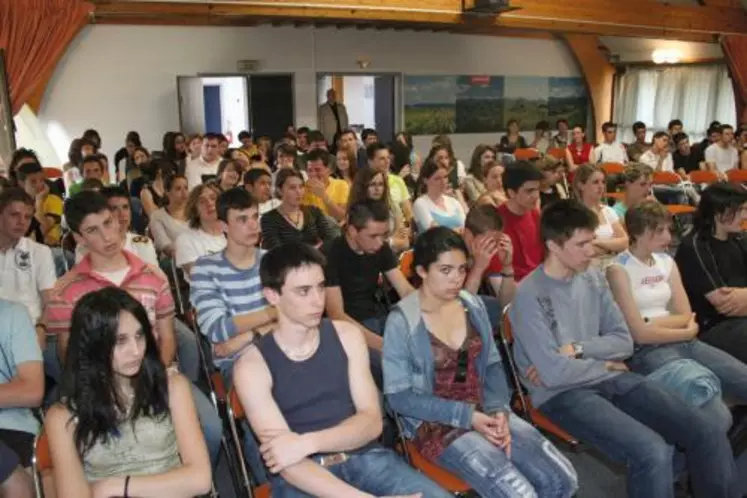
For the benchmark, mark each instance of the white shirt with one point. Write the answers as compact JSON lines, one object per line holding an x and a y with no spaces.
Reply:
{"x":27,"y":270}
{"x":194,"y":244}
{"x":268,"y":206}
{"x":725,"y":158}
{"x":426,"y":212}
{"x":196,"y":168}
{"x":609,"y":153}
{"x":609,"y":217}
{"x":139,"y":245}
{"x":649,"y":284}
{"x":650,"y":159}
{"x":165,"y":228}
{"x":115,"y":276}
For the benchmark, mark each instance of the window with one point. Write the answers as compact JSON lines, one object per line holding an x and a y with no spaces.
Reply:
{"x":696,"y":95}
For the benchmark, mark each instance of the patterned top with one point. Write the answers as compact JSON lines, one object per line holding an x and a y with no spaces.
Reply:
{"x":432,"y":438}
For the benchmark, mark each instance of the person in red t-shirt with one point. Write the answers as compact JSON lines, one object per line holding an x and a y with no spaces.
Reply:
{"x":578,"y":151}
{"x":521,"y":181}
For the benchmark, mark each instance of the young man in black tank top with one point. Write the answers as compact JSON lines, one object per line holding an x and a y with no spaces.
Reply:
{"x":309,"y":395}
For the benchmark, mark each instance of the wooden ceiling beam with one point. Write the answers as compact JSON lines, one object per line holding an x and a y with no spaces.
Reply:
{"x":638,"y":18}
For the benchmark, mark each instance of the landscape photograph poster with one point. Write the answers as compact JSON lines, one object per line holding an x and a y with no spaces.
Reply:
{"x":485,"y":103}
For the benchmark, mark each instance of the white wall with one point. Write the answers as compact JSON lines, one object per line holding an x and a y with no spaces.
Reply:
{"x":120,"y":78}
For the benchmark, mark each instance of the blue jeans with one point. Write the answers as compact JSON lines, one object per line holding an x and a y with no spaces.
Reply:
{"x":378,"y":471}
{"x":186,"y":350}
{"x":731,"y":372}
{"x":536,"y":467}
{"x":212,"y":428}
{"x":636,"y":422}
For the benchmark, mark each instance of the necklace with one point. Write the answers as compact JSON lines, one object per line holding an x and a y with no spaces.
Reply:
{"x":303,"y":354}
{"x":298,"y":222}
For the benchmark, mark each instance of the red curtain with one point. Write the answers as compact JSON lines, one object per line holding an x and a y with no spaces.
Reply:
{"x":735,"y":48}
{"x":34,"y":35}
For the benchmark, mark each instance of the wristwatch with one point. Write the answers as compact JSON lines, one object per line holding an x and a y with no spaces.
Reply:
{"x":578,"y":351}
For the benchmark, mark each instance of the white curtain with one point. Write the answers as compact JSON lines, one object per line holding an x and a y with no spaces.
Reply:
{"x":696,"y":95}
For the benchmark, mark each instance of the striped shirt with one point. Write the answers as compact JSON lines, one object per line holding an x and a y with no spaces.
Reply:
{"x":276,"y":229}
{"x":144,"y":282}
{"x":219,"y":291}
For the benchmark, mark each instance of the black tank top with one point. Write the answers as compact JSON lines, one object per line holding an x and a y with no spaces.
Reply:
{"x":313,"y":394}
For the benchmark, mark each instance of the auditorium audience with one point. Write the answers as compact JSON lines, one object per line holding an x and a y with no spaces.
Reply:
{"x":258,"y":182}
{"x":552,"y":186}
{"x":346,"y":166}
{"x":457,"y":411}
{"x":205,"y":235}
{"x":229,"y":174}
{"x":435,"y":207}
{"x":722,"y":155}
{"x":153,"y":191}
{"x":47,"y":206}
{"x":578,"y":151}
{"x":329,"y":195}
{"x":570,"y":332}
{"x":194,"y":146}
{"x":610,"y":150}
{"x":205,"y":165}
{"x":647,"y":286}
{"x":123,"y":426}
{"x":685,"y":157}
{"x":308,"y":382}
{"x":92,"y":168}
{"x":640,"y":146}
{"x":170,"y":221}
{"x":474,"y":183}
{"x":560,"y":139}
{"x":494,"y":194}
{"x":658,"y":156}
{"x":442,"y":153}
{"x":638,"y":180}
{"x":378,"y":158}
{"x":542,"y":137}
{"x":512,"y":140}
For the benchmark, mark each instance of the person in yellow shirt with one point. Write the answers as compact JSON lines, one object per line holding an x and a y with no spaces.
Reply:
{"x":48,"y":207}
{"x":329,"y":194}
{"x":380,"y":160}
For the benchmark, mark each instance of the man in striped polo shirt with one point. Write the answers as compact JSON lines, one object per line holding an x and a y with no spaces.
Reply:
{"x":226,"y":293}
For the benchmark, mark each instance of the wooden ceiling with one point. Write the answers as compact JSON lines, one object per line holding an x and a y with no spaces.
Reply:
{"x":632,"y":18}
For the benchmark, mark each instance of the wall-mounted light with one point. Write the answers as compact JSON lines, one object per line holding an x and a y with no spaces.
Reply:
{"x":363,"y":62}
{"x":666,"y":56}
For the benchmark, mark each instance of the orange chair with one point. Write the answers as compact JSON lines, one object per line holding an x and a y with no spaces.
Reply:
{"x":557,"y":153}
{"x":737,"y":175}
{"x":52,"y":173}
{"x":522,"y":404}
{"x":405,"y":264}
{"x":701,"y":176}
{"x":666,"y":178}
{"x":526,"y":154}
{"x":41,"y":461}
{"x":612,"y":168}
{"x":236,"y":412}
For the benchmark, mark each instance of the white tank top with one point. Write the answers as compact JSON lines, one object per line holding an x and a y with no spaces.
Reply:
{"x":649,"y":284}
{"x":607,"y":217}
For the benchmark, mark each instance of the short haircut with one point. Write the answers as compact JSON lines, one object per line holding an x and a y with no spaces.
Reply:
{"x":561,"y":219}
{"x":28,"y":169}
{"x":214,"y":136}
{"x":368,"y":132}
{"x":679,"y":137}
{"x":483,"y":218}
{"x":88,"y":142}
{"x":91,"y":184}
{"x":725,"y":127}
{"x":542,"y":125}
{"x":607,"y":126}
{"x":561,"y":121}
{"x":133,"y":137}
{"x":244,"y":134}
{"x":648,"y":215}
{"x":20,"y":155}
{"x":286,"y":150}
{"x":517,"y":174}
{"x":251,"y":176}
{"x":365,"y":210}
{"x":236,"y":198}
{"x":673,"y":123}
{"x":286,"y":173}
{"x":278,"y":262}
{"x":14,"y":194}
{"x":170,"y":180}
{"x":430,"y":244}
{"x":638,"y":125}
{"x":93,"y":136}
{"x":348,"y":131}
{"x":225,"y":163}
{"x":372,"y":149}
{"x":316,"y":136}
{"x":92,"y":159}
{"x":721,"y":199}
{"x":82,"y":204}
{"x":115,"y":192}
{"x":635,"y":171}
{"x":318,"y":155}
{"x":660,"y":134}
{"x":304,"y":130}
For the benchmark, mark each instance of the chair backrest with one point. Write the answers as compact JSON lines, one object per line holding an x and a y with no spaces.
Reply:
{"x":557,"y":153}
{"x":405,"y":264}
{"x":612,"y":168}
{"x":666,"y":178}
{"x":235,"y":404}
{"x":702,"y":176}
{"x":42,"y":457}
{"x":52,"y":173}
{"x":508,"y":332}
{"x":526,"y":154}
{"x":737,"y":175}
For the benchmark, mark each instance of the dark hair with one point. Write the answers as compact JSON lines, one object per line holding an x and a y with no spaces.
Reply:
{"x":367,"y":132}
{"x":93,"y":136}
{"x":94,"y":158}
{"x":721,"y":199}
{"x":517,"y":174}
{"x":115,"y":192}
{"x":283,"y":176}
{"x":81,"y":205}
{"x":281,"y":260}
{"x":134,"y":138}
{"x":373,"y":148}
{"x":439,"y":145}
{"x":348,"y":131}
{"x":430,"y":244}
{"x":365,"y":210}
{"x":542,"y":125}
{"x":401,"y":154}
{"x":725,"y":127}
{"x":639,"y":125}
{"x":475,"y":164}
{"x":91,"y":184}
{"x":151,"y":169}
{"x":512,"y":121}
{"x":408,"y":139}
{"x":483,"y":218}
{"x":18,"y":156}
{"x":236,"y":198}
{"x":14,"y":194}
{"x":561,"y":121}
{"x":606,"y":126}
{"x":255,"y":174}
{"x":286,"y":150}
{"x":170,"y":180}
{"x":74,"y":155}
{"x":678,"y":137}
{"x":316,"y":136}
{"x":715,"y":124}
{"x":244,"y":134}
{"x":143,"y":150}
{"x":213,"y":136}
{"x":648,"y":215}
{"x":426,"y":172}
{"x":28,"y":169}
{"x":169,"y":145}
{"x":318,"y":155}
{"x":88,"y":387}
{"x":359,"y":189}
{"x":224,"y":165}
{"x":660,"y":134}
{"x":304,"y":130}
{"x":561,"y":219}
{"x":86,"y":141}
{"x":673,"y":123}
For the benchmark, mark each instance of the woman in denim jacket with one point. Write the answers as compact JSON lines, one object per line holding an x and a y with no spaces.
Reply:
{"x":444,"y":376}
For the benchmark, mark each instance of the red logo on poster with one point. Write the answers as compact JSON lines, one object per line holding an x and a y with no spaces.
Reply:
{"x":480,"y":80}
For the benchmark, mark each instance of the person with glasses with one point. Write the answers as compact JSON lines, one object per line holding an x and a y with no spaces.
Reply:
{"x":444,"y":376}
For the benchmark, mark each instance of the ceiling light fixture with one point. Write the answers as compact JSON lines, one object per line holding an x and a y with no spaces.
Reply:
{"x":666,"y":56}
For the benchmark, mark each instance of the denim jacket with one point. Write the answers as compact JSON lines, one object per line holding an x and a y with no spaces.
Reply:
{"x":409,"y":368}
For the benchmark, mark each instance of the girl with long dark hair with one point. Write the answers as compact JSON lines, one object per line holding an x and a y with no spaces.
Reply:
{"x":123,"y":426}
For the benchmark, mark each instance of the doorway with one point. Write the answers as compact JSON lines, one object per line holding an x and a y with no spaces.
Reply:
{"x":371,"y":100}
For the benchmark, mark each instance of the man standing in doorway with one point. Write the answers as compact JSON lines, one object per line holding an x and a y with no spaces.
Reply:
{"x":333,"y":117}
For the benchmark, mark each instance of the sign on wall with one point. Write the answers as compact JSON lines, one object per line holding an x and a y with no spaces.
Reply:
{"x":484,"y":104}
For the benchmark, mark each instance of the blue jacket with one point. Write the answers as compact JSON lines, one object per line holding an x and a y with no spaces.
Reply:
{"x":409,"y":368}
